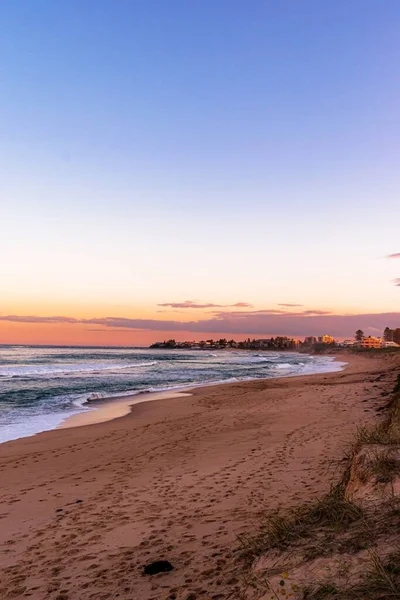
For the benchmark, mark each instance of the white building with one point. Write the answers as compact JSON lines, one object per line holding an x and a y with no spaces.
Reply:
{"x":389,"y":345}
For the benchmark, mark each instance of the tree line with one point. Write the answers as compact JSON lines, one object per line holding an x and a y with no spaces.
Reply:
{"x":389,"y":335}
{"x":279,"y":342}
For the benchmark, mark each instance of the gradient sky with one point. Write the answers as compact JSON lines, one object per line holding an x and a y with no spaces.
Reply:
{"x":198,"y":152}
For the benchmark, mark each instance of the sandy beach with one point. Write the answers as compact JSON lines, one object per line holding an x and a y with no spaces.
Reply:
{"x":83,"y":509}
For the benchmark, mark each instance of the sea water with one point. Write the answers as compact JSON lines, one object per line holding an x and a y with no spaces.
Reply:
{"x":41,"y":386}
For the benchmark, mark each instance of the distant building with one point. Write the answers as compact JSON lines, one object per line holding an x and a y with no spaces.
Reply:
{"x":326,"y":339}
{"x":311,"y":340}
{"x":348,"y":343}
{"x":371,"y":342}
{"x":389,"y":344}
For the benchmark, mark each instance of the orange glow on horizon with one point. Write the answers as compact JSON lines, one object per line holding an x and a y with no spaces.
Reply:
{"x":82,"y":335}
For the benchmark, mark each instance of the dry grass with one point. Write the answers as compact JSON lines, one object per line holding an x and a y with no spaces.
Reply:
{"x":388,"y":431}
{"x":385,"y":467}
{"x":383,"y":581}
{"x":375,"y":435}
{"x":309,"y":527}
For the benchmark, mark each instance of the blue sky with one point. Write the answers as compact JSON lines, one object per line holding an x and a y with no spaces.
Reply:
{"x":162,"y":151}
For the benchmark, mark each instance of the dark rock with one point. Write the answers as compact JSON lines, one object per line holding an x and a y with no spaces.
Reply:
{"x":78,"y":501}
{"x":159,"y":566}
{"x":59,"y":509}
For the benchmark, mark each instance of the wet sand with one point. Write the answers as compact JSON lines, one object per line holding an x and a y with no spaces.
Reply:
{"x":84,"y":508}
{"x":107,"y":410}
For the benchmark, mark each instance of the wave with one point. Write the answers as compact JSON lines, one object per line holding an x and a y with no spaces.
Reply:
{"x":265,"y":357}
{"x":84,"y":399}
{"x":50,"y":370}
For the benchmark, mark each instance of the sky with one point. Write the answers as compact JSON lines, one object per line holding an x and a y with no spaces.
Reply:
{"x":198,"y":168}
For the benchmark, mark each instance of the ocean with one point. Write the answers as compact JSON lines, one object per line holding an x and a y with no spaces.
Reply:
{"x":41,"y":386}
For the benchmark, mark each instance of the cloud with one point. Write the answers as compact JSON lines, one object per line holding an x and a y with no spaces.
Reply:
{"x":316,"y":312}
{"x":257,"y":323}
{"x":189,"y":304}
{"x":242,"y":305}
{"x":288,"y":304}
{"x":396,"y":255}
{"x":397,"y":281}
{"x":193,"y":304}
{"x":35,"y":319}
{"x":109,"y":330}
{"x":270,"y":311}
{"x":244,"y":314}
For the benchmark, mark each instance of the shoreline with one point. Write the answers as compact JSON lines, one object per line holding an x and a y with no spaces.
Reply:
{"x":95,"y":407}
{"x":84,"y":508}
{"x":110,"y":408}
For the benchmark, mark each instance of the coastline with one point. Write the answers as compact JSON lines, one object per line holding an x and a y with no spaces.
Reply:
{"x":84,"y":508}
{"x":115,"y":407}
{"x":49,"y":403}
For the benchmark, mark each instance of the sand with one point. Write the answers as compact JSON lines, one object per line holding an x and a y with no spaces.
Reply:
{"x":84,"y":508}
{"x":102,"y":411}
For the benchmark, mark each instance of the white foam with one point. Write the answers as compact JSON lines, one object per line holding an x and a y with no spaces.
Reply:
{"x":33,"y":425}
{"x":50,"y":370}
